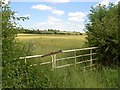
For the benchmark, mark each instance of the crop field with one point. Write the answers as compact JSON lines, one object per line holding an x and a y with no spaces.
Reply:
{"x":46,"y":43}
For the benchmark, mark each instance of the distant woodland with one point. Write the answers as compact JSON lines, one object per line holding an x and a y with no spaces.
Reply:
{"x":49,"y":31}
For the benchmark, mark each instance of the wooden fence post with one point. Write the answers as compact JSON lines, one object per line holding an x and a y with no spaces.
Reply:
{"x":25,"y":61}
{"x":26,"y":71}
{"x":91,"y":57}
{"x":75,"y":58}
{"x":53,"y":61}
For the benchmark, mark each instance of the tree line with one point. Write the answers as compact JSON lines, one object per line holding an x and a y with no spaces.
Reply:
{"x":49,"y":31}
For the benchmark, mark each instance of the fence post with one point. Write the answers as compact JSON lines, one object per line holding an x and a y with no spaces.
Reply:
{"x":25,"y":61}
{"x":53,"y":61}
{"x":91,"y":57}
{"x":25,"y":71}
{"x":75,"y":58}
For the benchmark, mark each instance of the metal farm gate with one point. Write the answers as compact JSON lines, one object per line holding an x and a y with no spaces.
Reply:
{"x":54,"y":60}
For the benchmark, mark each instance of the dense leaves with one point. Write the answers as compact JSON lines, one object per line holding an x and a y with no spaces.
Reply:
{"x":9,"y":32}
{"x":11,"y":50}
{"x":102,"y":31}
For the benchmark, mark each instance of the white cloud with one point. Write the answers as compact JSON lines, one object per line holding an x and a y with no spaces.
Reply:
{"x":103,"y":2}
{"x":45,"y":7}
{"x":41,"y":7}
{"x":58,"y":24}
{"x":26,"y":15}
{"x":6,"y":1}
{"x":52,"y":19}
{"x":76,"y":16}
{"x":76,"y":19}
{"x":44,"y":23}
{"x":116,"y":2}
{"x":59,"y":1}
{"x":58,"y":12}
{"x":63,"y":26}
{"x":106,"y":2}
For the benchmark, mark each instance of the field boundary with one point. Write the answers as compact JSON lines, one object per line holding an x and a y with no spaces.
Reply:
{"x":54,"y":60}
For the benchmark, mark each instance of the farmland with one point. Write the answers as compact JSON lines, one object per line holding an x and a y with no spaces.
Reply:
{"x":42,"y":76}
{"x":54,"y":42}
{"x":46,"y":43}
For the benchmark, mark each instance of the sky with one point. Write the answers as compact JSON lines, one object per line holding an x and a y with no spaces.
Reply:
{"x":64,"y":15}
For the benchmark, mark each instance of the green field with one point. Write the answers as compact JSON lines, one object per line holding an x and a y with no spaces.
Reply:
{"x":46,"y":43}
{"x":68,"y":77}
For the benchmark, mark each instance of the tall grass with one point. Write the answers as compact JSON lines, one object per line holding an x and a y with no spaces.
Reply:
{"x":71,"y":77}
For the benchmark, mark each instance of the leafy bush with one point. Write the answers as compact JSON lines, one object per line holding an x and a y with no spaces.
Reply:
{"x":102,"y":31}
{"x":11,"y":50}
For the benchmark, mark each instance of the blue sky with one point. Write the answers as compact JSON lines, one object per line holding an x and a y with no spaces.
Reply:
{"x":63,"y":15}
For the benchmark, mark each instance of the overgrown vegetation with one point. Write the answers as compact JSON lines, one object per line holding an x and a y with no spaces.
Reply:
{"x":17,"y":74}
{"x":69,"y":77}
{"x":11,"y":50}
{"x":102,"y":31}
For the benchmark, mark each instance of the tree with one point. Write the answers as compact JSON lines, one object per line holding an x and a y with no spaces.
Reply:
{"x":11,"y":50}
{"x":9,"y":31}
{"x":102,"y":31}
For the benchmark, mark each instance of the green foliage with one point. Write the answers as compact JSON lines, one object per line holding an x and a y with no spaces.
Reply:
{"x":11,"y":50}
{"x":9,"y":33}
{"x":102,"y":31}
{"x":70,"y":77}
